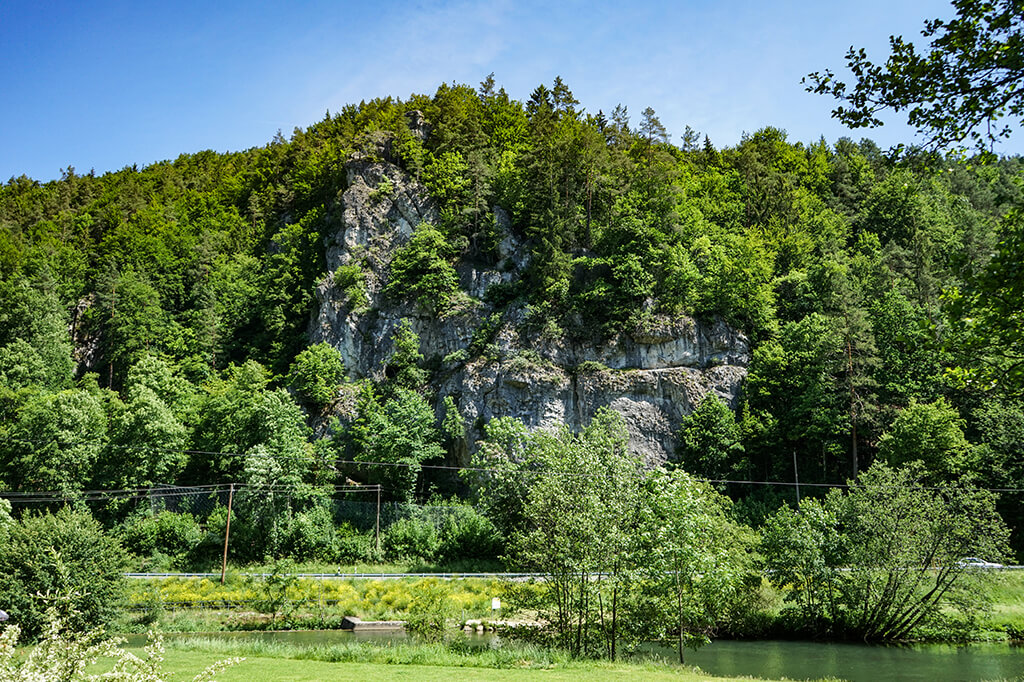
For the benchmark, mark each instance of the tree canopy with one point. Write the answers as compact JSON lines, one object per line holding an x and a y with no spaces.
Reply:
{"x":963,"y":87}
{"x":155,"y":321}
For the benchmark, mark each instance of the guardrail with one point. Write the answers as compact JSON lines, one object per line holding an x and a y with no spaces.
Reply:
{"x":352,"y":576}
{"x":440,"y":576}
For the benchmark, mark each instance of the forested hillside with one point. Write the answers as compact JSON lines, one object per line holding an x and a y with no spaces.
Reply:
{"x":155,"y":322}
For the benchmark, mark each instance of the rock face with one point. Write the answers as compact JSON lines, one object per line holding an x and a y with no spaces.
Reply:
{"x":653,"y":376}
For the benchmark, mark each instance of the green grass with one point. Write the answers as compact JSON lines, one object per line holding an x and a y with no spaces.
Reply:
{"x":457,"y":652}
{"x":1007,"y":593}
{"x":185,"y":663}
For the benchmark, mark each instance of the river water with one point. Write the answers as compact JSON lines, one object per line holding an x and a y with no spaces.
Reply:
{"x":860,"y":662}
{"x":767,"y":659}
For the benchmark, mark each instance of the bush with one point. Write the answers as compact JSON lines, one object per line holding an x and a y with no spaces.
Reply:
{"x":501,"y":294}
{"x":351,"y":280}
{"x":311,"y":535}
{"x":355,"y":547}
{"x":445,"y":531}
{"x":429,"y":610}
{"x":168,"y":533}
{"x":411,"y":538}
{"x":211,"y":545}
{"x":590,"y":367}
{"x":421,"y":270}
{"x":62,"y":554}
{"x":64,"y":652}
{"x":879,"y":560}
{"x":467,"y":534}
{"x":316,"y":374}
{"x":276,"y":589}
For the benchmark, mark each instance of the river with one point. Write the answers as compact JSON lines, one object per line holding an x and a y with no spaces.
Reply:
{"x":860,"y":662}
{"x":768,"y":659}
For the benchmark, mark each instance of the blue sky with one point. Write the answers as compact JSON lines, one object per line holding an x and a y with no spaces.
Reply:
{"x":103,"y":85}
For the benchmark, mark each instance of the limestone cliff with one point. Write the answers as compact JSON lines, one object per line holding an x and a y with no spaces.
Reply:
{"x":653,"y":377}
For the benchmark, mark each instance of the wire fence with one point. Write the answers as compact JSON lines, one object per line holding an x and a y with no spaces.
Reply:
{"x":363,"y":509}
{"x":360,"y":506}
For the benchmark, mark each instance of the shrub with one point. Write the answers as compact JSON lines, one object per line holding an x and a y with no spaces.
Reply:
{"x":421,"y":270}
{"x":411,"y":538}
{"x":467,"y":534}
{"x":385,"y":189}
{"x":276,"y":589}
{"x":316,"y":373}
{"x":355,"y":547}
{"x":590,"y":366}
{"x":881,"y":559}
{"x":429,"y":610}
{"x":169,"y":533}
{"x":66,"y":553}
{"x":456,"y":357}
{"x":212,"y":543}
{"x":63,"y":653}
{"x":352,"y":281}
{"x":312,"y":535}
{"x":502,"y":294}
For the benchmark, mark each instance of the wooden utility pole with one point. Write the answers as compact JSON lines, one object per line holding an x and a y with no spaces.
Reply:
{"x":227,"y":532}
{"x":796,"y":479}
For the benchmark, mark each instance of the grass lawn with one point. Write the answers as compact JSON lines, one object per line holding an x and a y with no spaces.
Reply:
{"x":185,"y":664}
{"x":1008,"y":600}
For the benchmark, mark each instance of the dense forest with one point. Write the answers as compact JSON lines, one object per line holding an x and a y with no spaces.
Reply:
{"x":154,"y":322}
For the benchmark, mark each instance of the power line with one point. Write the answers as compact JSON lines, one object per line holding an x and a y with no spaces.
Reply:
{"x":172,"y":491}
{"x":312,"y":458}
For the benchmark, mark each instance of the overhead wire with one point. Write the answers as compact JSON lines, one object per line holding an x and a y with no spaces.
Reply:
{"x":312,"y":458}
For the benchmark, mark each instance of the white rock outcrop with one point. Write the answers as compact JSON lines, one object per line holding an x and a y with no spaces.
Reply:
{"x":653,"y":377}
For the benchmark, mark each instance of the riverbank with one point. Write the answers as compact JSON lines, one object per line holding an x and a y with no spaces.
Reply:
{"x":253,"y":603}
{"x":190,"y":604}
{"x":299,"y":655}
{"x":418,"y":662}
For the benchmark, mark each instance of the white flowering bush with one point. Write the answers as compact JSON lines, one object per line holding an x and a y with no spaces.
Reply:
{"x":63,"y":656}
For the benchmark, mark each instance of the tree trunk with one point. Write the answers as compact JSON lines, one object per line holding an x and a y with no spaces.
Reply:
{"x":615,"y":603}
{"x":679,"y":614}
{"x":853,"y":409}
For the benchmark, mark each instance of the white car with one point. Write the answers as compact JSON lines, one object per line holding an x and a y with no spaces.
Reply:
{"x":975,"y":562}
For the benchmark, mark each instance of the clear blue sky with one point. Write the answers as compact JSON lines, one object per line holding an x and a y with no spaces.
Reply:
{"x":103,"y":85}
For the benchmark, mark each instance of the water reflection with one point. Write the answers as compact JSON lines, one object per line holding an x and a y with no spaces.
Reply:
{"x":767,"y":659}
{"x":859,"y":662}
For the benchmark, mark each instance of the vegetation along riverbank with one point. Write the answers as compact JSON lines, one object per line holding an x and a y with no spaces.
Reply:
{"x":687,"y":392}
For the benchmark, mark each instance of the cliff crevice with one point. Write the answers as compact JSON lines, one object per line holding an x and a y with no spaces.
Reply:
{"x":652,"y":376}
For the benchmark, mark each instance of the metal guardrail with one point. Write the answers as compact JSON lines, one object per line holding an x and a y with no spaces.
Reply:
{"x":440,"y":576}
{"x":351,"y":576}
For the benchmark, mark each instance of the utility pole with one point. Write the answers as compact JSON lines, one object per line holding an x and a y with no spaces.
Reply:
{"x":227,"y":532}
{"x":796,"y":478}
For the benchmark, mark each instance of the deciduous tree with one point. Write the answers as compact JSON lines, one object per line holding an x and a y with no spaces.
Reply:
{"x":960,"y":88}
